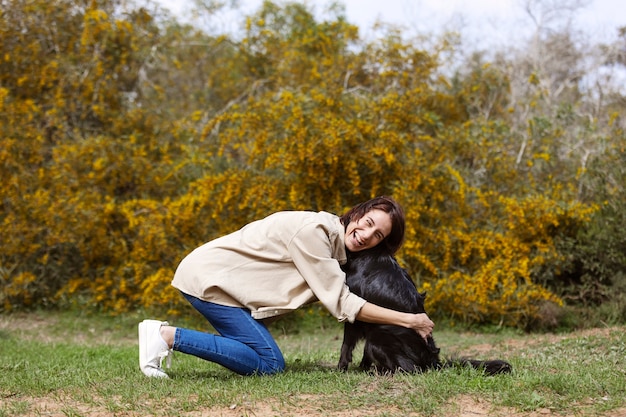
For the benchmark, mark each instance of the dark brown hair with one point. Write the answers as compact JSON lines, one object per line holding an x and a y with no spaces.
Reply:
{"x":394,"y":241}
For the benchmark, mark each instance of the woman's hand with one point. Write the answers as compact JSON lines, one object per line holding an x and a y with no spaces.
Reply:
{"x":423,"y":325}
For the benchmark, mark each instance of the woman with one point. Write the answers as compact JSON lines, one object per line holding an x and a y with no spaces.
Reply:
{"x":271,"y":267}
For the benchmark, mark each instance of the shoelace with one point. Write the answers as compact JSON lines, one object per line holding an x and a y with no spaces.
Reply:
{"x":167,"y":355}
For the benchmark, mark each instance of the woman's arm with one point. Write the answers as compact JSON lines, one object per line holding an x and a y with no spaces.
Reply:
{"x":372,"y":313}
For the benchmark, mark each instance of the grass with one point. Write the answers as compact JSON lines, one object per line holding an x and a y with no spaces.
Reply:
{"x":73,"y":364}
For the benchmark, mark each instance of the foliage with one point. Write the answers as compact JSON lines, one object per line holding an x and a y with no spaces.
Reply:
{"x":129,"y":138}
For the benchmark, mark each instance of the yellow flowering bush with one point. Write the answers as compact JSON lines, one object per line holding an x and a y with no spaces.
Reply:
{"x":123,"y":146}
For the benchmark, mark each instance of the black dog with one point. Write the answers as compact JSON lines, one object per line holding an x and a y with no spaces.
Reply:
{"x":376,"y":276}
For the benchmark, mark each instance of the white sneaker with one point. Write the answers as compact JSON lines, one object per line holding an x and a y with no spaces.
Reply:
{"x":153,"y":349}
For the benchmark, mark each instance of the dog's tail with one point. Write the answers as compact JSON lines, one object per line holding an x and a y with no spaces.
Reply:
{"x":490,"y":367}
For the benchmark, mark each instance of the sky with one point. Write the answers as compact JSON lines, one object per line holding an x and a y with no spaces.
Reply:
{"x":489,"y":21}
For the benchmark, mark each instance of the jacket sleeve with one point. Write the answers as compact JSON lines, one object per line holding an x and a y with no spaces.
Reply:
{"x":311,"y":252}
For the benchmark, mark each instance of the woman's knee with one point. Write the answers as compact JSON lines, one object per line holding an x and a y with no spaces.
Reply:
{"x":274,"y":363}
{"x":275,"y":368}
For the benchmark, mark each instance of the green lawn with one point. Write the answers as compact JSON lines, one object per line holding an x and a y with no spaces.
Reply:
{"x":68,"y":364}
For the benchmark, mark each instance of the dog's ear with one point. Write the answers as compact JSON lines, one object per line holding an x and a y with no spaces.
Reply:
{"x":423,"y":295}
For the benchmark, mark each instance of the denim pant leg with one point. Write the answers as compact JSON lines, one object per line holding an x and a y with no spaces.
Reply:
{"x":244,"y":345}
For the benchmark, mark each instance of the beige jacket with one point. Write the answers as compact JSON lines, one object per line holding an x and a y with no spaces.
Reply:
{"x":274,"y":266}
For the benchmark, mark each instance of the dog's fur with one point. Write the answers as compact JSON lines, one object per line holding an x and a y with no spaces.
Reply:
{"x":377,"y":277}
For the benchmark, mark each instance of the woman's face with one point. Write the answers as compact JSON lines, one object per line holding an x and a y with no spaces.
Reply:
{"x":368,"y":231}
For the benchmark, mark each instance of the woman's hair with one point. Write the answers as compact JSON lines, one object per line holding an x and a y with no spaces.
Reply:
{"x":387,"y":204}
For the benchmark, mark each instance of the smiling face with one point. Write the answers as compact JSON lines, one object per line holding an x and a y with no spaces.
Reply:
{"x":368,"y":231}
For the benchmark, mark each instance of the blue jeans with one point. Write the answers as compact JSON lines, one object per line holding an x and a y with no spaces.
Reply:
{"x":244,"y":345}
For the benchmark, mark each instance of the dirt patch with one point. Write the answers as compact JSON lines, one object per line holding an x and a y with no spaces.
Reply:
{"x":50,"y":329}
{"x":468,"y":406}
{"x":530,"y":341}
{"x":293,"y":406}
{"x":25,"y":323}
{"x":296,"y":406}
